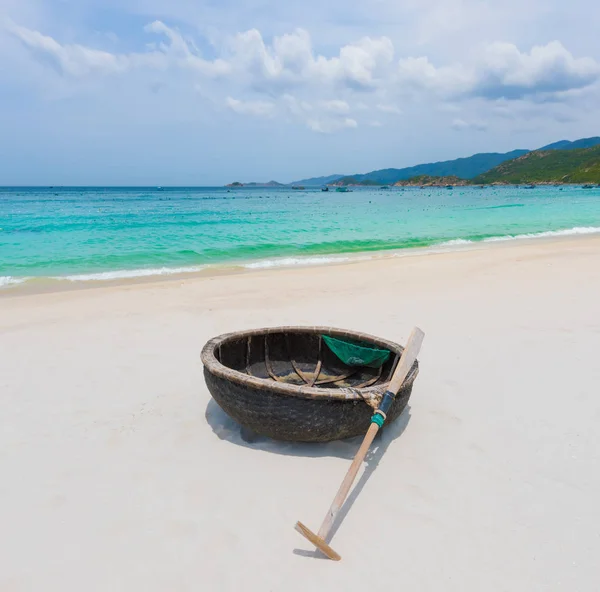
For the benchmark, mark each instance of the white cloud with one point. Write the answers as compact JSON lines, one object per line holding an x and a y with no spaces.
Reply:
{"x":515,"y":111}
{"x":385,"y":108}
{"x":448,"y":108}
{"x":296,"y":107}
{"x":180,"y":52}
{"x":74,"y":60}
{"x":420,"y":75}
{"x":336,"y":106}
{"x":78,"y":61}
{"x":256,"y":108}
{"x":327,"y":126}
{"x":320,"y":116}
{"x":290,"y":60}
{"x":364,"y":61}
{"x":503,"y":71}
{"x":506,"y":72}
{"x":461,"y":125}
{"x":296,"y":82}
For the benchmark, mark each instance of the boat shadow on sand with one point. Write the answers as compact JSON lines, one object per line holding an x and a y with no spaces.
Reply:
{"x":231,"y":431}
{"x":227,"y":429}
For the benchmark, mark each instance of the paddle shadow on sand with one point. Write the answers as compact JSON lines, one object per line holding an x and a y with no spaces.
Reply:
{"x":381,"y":443}
{"x":227,"y":429}
{"x":231,"y":431}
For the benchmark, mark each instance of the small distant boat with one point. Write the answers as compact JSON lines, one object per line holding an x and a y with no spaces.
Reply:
{"x":384,"y":187}
{"x":297,"y":187}
{"x":529,"y":187}
{"x":588,"y":186}
{"x":342,"y":189}
{"x":159,"y":188}
{"x":449,"y":187}
{"x":325,"y":188}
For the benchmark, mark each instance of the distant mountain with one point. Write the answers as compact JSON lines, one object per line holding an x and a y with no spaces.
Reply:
{"x":318,"y":180}
{"x":267,"y":184}
{"x":470,"y":167}
{"x":548,"y":166}
{"x":255,"y":184}
{"x":465,"y":168}
{"x":567,"y":145}
{"x":428,"y":181}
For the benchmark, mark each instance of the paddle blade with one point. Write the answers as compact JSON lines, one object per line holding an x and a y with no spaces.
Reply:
{"x":409,"y":355}
{"x":317,"y":541}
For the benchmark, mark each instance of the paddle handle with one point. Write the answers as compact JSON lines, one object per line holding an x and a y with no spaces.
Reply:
{"x":409,"y":355}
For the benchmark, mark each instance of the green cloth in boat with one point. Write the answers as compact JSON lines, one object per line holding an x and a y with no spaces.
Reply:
{"x":357,"y":353}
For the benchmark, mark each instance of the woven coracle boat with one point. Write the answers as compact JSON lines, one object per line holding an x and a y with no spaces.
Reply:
{"x":288,"y":384}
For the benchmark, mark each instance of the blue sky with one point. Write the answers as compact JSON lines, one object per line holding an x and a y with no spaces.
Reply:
{"x":203,"y":93}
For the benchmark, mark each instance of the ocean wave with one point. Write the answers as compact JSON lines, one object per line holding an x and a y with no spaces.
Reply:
{"x":565,"y":232}
{"x":128,"y":274}
{"x":306,"y":260}
{"x":292,"y":261}
{"x":500,"y":207}
{"x":8,"y":280}
{"x":455,"y":242}
{"x":507,"y":237}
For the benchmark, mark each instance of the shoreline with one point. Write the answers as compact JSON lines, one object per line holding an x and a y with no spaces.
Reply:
{"x":106,"y":238}
{"x":49,"y":285}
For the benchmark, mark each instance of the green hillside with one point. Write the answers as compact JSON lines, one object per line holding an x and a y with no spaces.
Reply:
{"x":429,"y":181}
{"x":548,"y":166}
{"x":475,"y":168}
{"x":465,"y":168}
{"x":317,"y":181}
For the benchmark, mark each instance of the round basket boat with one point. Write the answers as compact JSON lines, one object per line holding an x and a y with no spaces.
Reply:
{"x":286,"y":383}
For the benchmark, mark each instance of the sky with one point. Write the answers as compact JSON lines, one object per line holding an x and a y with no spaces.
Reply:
{"x":189,"y":92}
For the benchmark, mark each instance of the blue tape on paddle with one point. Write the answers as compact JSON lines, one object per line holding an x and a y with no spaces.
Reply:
{"x":386,"y":401}
{"x":378,"y":419}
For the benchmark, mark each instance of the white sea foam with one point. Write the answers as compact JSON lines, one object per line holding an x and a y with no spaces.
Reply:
{"x":455,"y":242}
{"x":508,"y":237}
{"x":8,"y":280}
{"x":128,"y":274}
{"x":566,"y":232}
{"x":292,"y":261}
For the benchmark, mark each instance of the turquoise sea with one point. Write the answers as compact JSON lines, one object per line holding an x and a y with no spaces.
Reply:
{"x":96,"y":233}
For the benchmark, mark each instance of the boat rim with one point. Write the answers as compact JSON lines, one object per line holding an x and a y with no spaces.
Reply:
{"x":303,"y":391}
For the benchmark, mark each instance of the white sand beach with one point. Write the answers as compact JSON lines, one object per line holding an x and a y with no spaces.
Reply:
{"x":118,"y":472}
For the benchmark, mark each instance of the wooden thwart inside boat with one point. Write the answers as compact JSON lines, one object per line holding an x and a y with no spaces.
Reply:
{"x":406,"y":362}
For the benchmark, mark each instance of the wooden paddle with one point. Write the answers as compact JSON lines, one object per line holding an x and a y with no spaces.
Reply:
{"x":409,"y":355}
